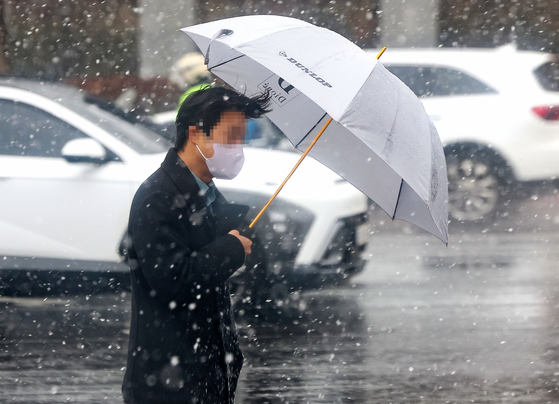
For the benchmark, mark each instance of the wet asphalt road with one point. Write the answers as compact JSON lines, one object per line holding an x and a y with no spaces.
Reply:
{"x":475,"y":322}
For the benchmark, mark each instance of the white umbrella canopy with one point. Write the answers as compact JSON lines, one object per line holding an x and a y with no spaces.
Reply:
{"x":381,"y":140}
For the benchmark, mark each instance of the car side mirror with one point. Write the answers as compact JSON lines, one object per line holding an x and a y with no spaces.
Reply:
{"x":84,"y":150}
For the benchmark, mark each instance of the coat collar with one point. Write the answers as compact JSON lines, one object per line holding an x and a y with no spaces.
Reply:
{"x":228,"y":216}
{"x":180,"y":173}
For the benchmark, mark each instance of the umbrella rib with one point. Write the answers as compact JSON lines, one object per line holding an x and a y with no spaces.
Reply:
{"x":224,"y":63}
{"x":398,"y":199}
{"x":308,"y":133}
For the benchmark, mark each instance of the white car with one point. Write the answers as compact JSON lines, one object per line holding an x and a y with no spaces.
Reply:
{"x":69,"y":170}
{"x":497,"y":114}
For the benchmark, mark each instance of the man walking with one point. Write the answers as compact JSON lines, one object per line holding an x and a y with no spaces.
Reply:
{"x":183,"y":245}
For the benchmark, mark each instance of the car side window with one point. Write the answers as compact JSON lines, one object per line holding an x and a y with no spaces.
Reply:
{"x":428,"y":81}
{"x":29,"y":131}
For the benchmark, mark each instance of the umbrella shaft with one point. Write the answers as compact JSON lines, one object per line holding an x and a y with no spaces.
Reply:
{"x":290,"y":174}
{"x":381,"y":52}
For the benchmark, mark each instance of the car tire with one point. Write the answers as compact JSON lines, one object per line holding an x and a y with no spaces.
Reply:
{"x":478,"y":180}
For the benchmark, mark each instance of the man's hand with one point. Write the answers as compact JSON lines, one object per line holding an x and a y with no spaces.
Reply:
{"x":246,"y":242}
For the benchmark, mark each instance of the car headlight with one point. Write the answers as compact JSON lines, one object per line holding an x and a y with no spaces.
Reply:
{"x":349,"y":241}
{"x":282,"y":228}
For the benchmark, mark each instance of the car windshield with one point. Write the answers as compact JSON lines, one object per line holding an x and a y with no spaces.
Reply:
{"x":137,"y":136}
{"x":263,"y":134}
{"x":430,"y":81}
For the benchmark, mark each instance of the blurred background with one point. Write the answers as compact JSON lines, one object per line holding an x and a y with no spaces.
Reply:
{"x":476,"y":321}
{"x":108,"y":46}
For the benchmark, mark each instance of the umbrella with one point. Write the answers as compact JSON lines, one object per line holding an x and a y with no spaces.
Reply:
{"x":341,"y":105}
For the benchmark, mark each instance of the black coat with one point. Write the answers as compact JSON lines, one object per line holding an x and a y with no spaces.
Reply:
{"x":183,"y":342}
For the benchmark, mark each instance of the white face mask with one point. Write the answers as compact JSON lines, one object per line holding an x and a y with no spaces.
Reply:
{"x":227,"y":161}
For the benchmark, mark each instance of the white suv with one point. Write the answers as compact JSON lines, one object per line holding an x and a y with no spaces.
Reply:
{"x":69,"y":169}
{"x":497,"y":113}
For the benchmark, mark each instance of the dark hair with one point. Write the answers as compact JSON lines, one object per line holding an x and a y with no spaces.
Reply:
{"x":204,"y":107}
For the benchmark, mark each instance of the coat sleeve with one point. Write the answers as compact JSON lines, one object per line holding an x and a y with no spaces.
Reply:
{"x":166,"y":258}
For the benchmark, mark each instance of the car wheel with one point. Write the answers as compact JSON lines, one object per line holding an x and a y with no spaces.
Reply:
{"x":476,"y":184}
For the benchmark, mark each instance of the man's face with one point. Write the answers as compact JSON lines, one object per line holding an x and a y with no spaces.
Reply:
{"x":229,"y":130}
